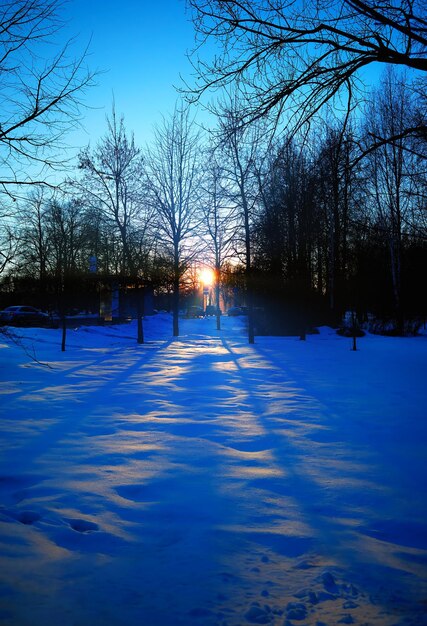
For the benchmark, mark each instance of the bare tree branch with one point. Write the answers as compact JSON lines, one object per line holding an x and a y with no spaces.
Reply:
{"x":289,"y":58}
{"x":40,"y":95}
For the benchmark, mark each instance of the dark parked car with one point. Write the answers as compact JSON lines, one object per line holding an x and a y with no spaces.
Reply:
{"x":195,"y":311}
{"x":211,"y":309}
{"x":23,"y":316}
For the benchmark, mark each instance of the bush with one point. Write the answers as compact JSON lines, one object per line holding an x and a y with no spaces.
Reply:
{"x":390,"y":327}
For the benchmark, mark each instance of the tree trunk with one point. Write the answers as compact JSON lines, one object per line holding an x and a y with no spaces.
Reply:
{"x":175,"y":310}
{"x":175,"y":306}
{"x":250,"y":299}
{"x":64,"y":332}
{"x":140,"y":313}
{"x":175,"y":295}
{"x":394,"y":247}
{"x":218,"y":312}
{"x":248,"y":272}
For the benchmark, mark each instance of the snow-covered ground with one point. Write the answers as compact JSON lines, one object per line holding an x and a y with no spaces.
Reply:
{"x":202,"y":481}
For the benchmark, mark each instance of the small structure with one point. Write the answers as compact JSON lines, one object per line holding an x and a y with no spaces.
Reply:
{"x":119,"y":302}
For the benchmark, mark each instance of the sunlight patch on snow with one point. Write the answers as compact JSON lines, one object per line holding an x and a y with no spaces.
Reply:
{"x":166,"y":378}
{"x":340,"y":482}
{"x":248,"y":472}
{"x":66,"y":365}
{"x":225,"y":366}
{"x":74,"y":392}
{"x":9,"y":388}
{"x":391,"y":554}
{"x":232,"y":452}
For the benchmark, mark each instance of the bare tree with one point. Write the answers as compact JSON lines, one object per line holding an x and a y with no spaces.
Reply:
{"x":8,"y":243}
{"x":113,"y":181}
{"x":218,"y":221}
{"x":58,"y":233}
{"x":284,"y":230}
{"x":242,"y":154}
{"x":291,"y":57}
{"x":172,"y":168}
{"x":34,"y":241}
{"x":40,"y":92}
{"x":66,"y":233}
{"x":391,"y":173}
{"x":334,"y":197}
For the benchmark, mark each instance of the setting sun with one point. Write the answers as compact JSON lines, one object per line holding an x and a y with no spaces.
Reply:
{"x":207,"y":277}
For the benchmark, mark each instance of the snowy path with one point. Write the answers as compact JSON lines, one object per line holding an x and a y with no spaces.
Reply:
{"x":203,"y":481}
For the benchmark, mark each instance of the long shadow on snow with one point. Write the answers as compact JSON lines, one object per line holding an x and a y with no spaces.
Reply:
{"x":331,"y":504}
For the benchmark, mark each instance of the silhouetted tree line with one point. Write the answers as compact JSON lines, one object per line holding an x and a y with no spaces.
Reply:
{"x":310,"y":230}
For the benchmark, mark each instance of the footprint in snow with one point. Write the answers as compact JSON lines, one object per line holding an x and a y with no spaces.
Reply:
{"x":28,"y":517}
{"x":257,"y":614}
{"x":296,"y":611}
{"x":24,"y":517}
{"x":82,"y":526}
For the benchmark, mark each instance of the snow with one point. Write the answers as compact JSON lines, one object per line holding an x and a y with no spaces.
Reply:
{"x":200,"y":480}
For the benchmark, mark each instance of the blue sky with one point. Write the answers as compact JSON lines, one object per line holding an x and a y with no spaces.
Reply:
{"x":140,"y":46}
